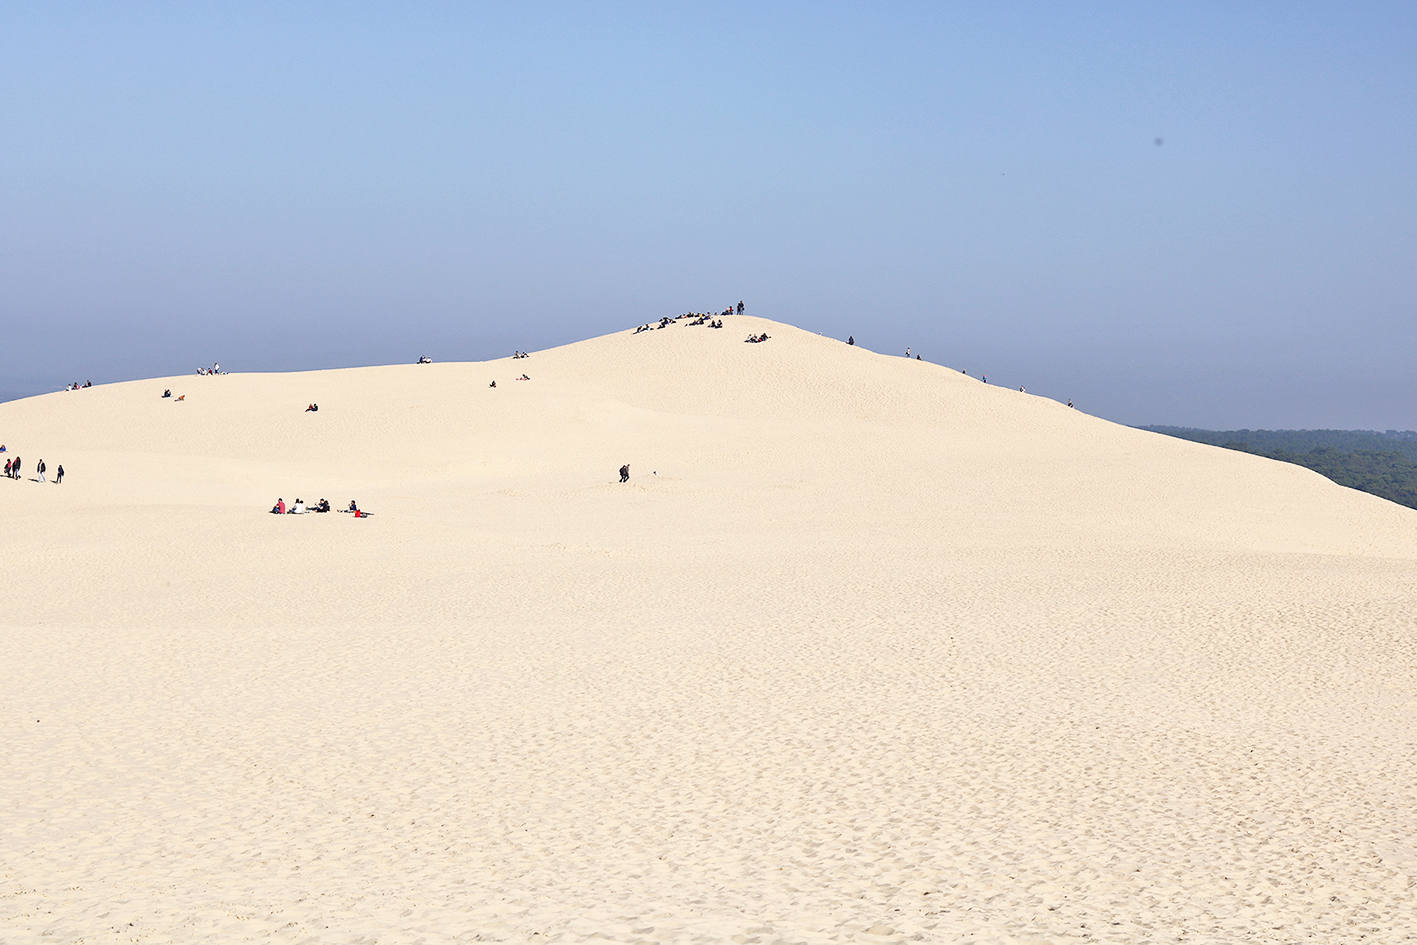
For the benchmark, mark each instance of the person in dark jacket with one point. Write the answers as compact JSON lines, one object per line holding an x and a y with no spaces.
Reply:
{"x":625,"y":473}
{"x":59,"y":475}
{"x":40,"y":469}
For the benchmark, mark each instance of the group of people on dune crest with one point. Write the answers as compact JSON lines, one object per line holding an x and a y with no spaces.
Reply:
{"x":696,"y":318}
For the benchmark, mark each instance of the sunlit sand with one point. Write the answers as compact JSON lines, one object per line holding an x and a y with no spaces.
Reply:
{"x":864,"y":650}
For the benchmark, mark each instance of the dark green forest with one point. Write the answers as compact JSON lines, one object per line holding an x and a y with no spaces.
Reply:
{"x":1384,"y":464}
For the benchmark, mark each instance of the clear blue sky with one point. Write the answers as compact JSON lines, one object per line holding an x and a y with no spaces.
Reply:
{"x":298,"y":186}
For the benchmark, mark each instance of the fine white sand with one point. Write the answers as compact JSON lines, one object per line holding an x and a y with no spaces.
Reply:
{"x":866,"y":650}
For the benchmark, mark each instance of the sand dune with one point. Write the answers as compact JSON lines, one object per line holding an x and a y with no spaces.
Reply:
{"x":866,"y":650}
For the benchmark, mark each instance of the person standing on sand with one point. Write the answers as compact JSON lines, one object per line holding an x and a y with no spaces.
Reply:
{"x":907,"y":352}
{"x":15,"y":469}
{"x":59,"y":475}
{"x":40,"y":469}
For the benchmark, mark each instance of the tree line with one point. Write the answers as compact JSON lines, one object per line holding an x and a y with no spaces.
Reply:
{"x":1382,"y":464}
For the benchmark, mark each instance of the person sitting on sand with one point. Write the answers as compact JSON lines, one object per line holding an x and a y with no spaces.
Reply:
{"x":182,"y":397}
{"x":279,"y":507}
{"x":625,"y":473}
{"x":493,"y":384}
{"x":298,"y":508}
{"x":7,"y":469}
{"x":353,"y":506}
{"x":312,"y":408}
{"x":324,"y":506}
{"x":167,"y":393}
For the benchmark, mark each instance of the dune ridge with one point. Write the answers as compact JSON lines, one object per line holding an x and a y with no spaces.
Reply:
{"x":865,"y":650}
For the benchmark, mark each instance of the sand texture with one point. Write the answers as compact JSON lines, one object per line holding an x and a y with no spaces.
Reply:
{"x":864,"y":651}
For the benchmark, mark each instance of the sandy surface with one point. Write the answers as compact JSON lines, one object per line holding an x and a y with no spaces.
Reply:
{"x":866,"y":650}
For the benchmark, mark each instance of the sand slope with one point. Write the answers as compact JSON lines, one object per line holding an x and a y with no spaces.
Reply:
{"x":865,"y":651}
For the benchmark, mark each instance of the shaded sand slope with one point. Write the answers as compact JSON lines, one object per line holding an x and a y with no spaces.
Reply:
{"x":865,"y":651}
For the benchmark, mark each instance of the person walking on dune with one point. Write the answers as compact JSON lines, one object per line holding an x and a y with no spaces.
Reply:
{"x":625,"y":473}
{"x":59,"y":473}
{"x":40,"y":469}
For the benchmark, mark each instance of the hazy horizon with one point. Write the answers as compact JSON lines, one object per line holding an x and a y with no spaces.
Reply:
{"x":1195,"y":217}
